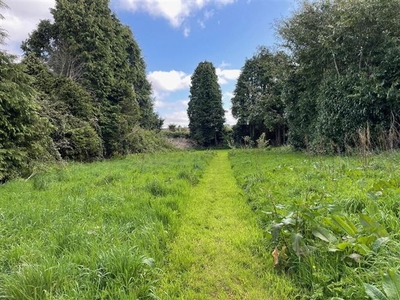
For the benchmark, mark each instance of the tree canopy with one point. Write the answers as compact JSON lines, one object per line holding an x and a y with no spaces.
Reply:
{"x":80,"y":92}
{"x":257,"y":101}
{"x":205,"y":111}
{"x":345,"y":75}
{"x":335,"y":85}
{"x":101,"y":65}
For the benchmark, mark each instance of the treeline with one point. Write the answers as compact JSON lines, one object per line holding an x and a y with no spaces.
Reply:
{"x":80,"y":91}
{"x":334,"y":86}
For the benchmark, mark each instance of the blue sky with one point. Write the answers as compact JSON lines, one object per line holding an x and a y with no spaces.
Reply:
{"x":175,"y":35}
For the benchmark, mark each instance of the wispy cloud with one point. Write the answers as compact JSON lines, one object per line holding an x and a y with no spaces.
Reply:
{"x":21,"y":19}
{"x":175,"y":11}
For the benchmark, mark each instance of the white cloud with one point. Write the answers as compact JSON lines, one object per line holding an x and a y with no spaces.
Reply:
{"x":166,"y":82}
{"x":229,"y":119}
{"x":22,"y":18}
{"x":175,"y":11}
{"x":226,"y":98}
{"x":169,"y":81}
{"x":186,"y":31}
{"x":179,"y":118}
{"x":227,"y":75}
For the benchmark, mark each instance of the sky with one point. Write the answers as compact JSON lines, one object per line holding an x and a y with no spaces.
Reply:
{"x":175,"y":36}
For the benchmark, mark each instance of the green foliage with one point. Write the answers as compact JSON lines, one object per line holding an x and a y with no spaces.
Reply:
{"x":331,"y":222}
{"x":71,"y":111}
{"x":99,"y":73}
{"x":205,"y":111}
{"x":391,"y":286}
{"x":257,"y":101}
{"x":145,"y":141}
{"x":337,"y":83}
{"x":23,"y":133}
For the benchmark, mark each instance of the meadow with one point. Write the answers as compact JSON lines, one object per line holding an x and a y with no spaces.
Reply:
{"x":331,"y":223}
{"x":203,"y":225}
{"x":93,"y":231}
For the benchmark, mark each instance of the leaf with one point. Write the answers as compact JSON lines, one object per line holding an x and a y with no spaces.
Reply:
{"x":149,"y":261}
{"x":324,"y":234}
{"x":297,"y":238}
{"x":372,"y":226}
{"x":379,"y":243}
{"x":289,"y":221}
{"x":343,"y":245}
{"x":391,"y":285}
{"x":362,"y":249}
{"x":345,"y":224}
{"x":373,"y":292}
{"x":276,"y":229}
{"x":275,"y":255}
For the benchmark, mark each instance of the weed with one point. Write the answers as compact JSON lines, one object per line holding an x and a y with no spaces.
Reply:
{"x":331,"y":222}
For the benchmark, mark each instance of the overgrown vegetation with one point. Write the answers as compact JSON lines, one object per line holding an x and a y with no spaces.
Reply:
{"x":331,"y":223}
{"x":80,"y":92}
{"x":94,"y":231}
{"x":338,"y":76}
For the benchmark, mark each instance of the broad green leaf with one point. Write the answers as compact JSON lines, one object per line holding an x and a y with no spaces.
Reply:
{"x":276,"y":230}
{"x":373,"y":292}
{"x":362,"y":249}
{"x":372,"y":226}
{"x":324,"y":234}
{"x":343,"y":245}
{"x":297,"y":238}
{"x":379,"y":242}
{"x":391,"y":285}
{"x":366,"y":240}
{"x":345,"y":224}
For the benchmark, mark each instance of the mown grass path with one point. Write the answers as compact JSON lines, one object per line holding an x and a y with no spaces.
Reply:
{"x":217,"y":253}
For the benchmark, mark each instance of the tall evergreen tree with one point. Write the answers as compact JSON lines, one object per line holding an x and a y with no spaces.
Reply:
{"x":205,"y":111}
{"x":257,"y":101}
{"x":88,"y":44}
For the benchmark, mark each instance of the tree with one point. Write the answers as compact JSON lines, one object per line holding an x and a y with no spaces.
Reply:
{"x":257,"y":101}
{"x":89,"y":45}
{"x":205,"y":111}
{"x":23,"y":133}
{"x":341,"y":81}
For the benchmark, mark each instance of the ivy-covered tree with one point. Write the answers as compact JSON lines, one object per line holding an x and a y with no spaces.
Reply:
{"x":89,"y":45}
{"x":345,"y":77}
{"x":205,"y":111}
{"x":257,"y":101}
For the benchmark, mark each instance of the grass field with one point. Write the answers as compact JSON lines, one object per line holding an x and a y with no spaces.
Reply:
{"x":94,"y":231}
{"x":203,"y":225}
{"x":332,"y":222}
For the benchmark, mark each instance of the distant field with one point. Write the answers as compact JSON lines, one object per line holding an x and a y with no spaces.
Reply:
{"x":93,"y":231}
{"x":332,"y":221}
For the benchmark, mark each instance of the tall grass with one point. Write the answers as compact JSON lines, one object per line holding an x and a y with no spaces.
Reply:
{"x":332,"y":223}
{"x":93,"y":231}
